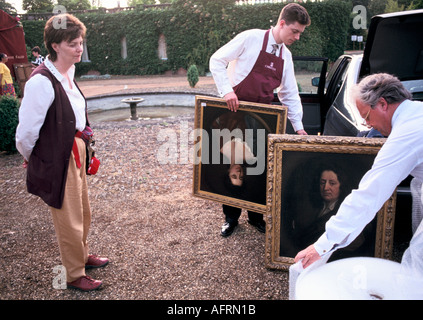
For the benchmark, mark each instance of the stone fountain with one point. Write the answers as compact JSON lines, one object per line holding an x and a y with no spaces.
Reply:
{"x":133,"y":102}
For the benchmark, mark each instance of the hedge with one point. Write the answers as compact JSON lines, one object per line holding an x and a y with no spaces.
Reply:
{"x":194,"y":30}
{"x":9,"y":118}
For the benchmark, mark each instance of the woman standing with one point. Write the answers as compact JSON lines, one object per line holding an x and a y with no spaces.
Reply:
{"x":52,"y":115}
{"x":6,"y":81}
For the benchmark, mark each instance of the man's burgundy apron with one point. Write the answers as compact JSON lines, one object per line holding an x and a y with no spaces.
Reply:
{"x":265,"y":76}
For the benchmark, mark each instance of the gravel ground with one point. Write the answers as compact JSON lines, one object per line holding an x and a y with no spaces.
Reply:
{"x":163,"y":243}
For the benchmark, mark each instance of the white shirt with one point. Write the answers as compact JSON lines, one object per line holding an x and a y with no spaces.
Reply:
{"x":38,"y":60}
{"x":401,"y":155}
{"x":234,"y":61}
{"x":38,"y":97}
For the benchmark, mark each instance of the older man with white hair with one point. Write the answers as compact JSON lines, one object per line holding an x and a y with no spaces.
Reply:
{"x":385,"y":105}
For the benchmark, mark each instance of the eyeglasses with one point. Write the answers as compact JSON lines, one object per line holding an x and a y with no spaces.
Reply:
{"x":364,"y":123}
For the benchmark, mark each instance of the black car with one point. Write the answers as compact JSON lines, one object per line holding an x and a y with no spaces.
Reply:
{"x":395,"y":46}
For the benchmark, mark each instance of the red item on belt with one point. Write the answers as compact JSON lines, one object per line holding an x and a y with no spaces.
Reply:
{"x":78,"y":134}
{"x":93,"y":167}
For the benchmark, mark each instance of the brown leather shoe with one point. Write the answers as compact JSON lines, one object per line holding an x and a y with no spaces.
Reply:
{"x":84,"y":283}
{"x":96,"y":262}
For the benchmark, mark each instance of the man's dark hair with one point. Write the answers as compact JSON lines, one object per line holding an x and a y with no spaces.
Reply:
{"x":293,"y":12}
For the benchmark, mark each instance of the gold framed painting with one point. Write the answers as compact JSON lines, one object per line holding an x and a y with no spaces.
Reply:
{"x":298,"y":205}
{"x":230,"y":151}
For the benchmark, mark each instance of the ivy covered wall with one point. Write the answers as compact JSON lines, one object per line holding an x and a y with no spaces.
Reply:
{"x":194,"y":30}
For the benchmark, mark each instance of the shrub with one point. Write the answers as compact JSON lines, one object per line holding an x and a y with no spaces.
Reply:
{"x":192,"y":75}
{"x":192,"y":31}
{"x":9,"y":110}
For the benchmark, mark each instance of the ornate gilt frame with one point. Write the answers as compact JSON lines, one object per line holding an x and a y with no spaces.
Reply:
{"x":204,"y":105}
{"x":278,"y":145}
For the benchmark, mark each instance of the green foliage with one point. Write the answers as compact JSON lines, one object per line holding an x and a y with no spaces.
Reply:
{"x":7,"y":7}
{"x":328,"y":36}
{"x":194,"y":30}
{"x":394,"y":6}
{"x":71,"y":5}
{"x":9,"y":110}
{"x":193,"y":75}
{"x":34,"y":34}
{"x":417,"y":4}
{"x":37,"y":5}
{"x":133,"y":3}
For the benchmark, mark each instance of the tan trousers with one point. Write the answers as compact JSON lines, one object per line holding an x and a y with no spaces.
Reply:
{"x":73,"y":220}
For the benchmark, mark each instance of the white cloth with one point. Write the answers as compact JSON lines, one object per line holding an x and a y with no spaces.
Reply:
{"x":401,"y":155}
{"x":296,"y":270}
{"x":412,"y":259}
{"x":38,"y":97}
{"x":242,"y":151}
{"x":234,"y":61}
{"x":417,"y":206}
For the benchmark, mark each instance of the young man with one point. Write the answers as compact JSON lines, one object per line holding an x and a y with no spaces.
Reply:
{"x":385,"y":105}
{"x":39,"y":59}
{"x":250,"y":67}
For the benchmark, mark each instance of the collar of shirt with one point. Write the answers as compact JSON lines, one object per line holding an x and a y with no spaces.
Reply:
{"x":328,"y":207}
{"x":75,"y":97}
{"x":49,"y":64}
{"x":271,"y":42}
{"x":397,"y":112}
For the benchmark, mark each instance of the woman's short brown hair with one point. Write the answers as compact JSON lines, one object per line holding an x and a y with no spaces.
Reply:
{"x":62,"y":27}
